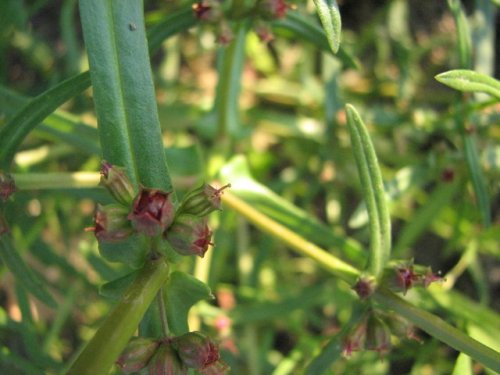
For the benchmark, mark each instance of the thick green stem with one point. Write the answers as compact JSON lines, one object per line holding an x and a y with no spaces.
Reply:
{"x":113,"y":335}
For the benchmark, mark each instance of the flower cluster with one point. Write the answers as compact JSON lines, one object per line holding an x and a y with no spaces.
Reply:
{"x":151,"y":212}
{"x":398,"y":278}
{"x":373,"y":332}
{"x":172,"y":356}
{"x":264,"y":11}
{"x":407,"y":275}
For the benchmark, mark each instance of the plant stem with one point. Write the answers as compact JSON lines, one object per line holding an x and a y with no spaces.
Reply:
{"x":113,"y":335}
{"x":163,"y":313}
{"x":27,"y":181}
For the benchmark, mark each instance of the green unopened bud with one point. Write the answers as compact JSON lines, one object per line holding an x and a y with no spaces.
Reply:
{"x":137,"y":354}
{"x":117,"y":182}
{"x":202,"y":200}
{"x":111,"y":223}
{"x":7,"y":185}
{"x":196,"y":350}
{"x":189,"y":235}
{"x":364,"y":287}
{"x":166,"y":362}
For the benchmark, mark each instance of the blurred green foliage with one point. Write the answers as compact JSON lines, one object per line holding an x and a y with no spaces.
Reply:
{"x":269,"y":118}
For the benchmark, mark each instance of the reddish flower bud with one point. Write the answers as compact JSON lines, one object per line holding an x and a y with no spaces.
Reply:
{"x":273,"y":9}
{"x":207,"y":10}
{"x":264,"y":33}
{"x":448,"y":175}
{"x":7,"y":185}
{"x":406,"y":276}
{"x":364,"y":287}
{"x":378,"y":335}
{"x":137,"y":354}
{"x":111,"y":223}
{"x":202,"y":200}
{"x":196,"y":350}
{"x":400,"y":278}
{"x":225,"y":34}
{"x":166,"y":362}
{"x":117,"y":182}
{"x":355,"y":340}
{"x":190,"y":235}
{"x":152,"y":211}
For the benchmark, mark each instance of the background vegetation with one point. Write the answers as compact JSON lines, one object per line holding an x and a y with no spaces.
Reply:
{"x":269,"y":118}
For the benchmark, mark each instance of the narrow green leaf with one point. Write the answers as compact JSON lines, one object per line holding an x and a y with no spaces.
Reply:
{"x":181,"y":293}
{"x":470,"y":81}
{"x":114,"y":289}
{"x":478,"y":178}
{"x":373,"y":192}
{"x":296,"y":26}
{"x":58,"y":126}
{"x":424,"y":217}
{"x":405,"y":180}
{"x":23,"y":274}
{"x":124,"y":97}
{"x":328,"y":12}
{"x":34,"y":112}
{"x":174,"y":23}
{"x":229,"y":86}
{"x":108,"y":342}
{"x":463,"y":34}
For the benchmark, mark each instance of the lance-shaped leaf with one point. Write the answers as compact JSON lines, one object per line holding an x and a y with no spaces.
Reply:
{"x":181,"y":293}
{"x":124,"y":95}
{"x":328,"y":12}
{"x":373,"y":192}
{"x":470,"y":81}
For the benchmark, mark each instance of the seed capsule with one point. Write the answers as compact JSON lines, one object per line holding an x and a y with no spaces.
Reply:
{"x":190,"y":235}
{"x":137,"y":354}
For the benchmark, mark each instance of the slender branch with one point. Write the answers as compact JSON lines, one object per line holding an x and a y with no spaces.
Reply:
{"x":430,"y":323}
